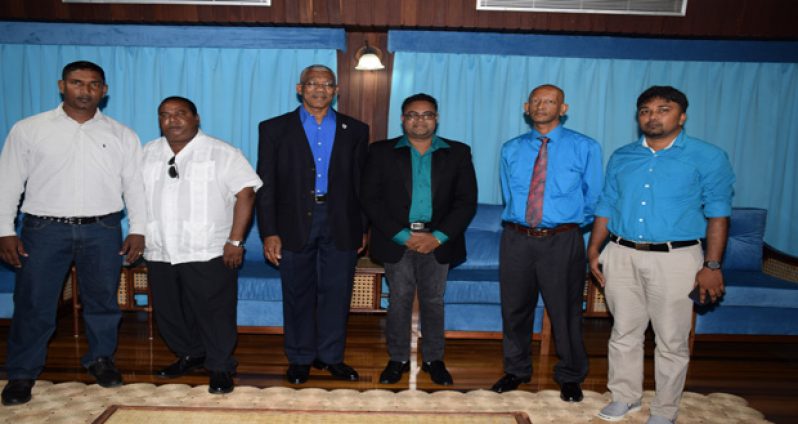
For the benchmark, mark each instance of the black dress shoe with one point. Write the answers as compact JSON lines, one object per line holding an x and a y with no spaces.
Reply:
{"x":297,"y":374}
{"x":393,"y":372}
{"x":181,"y":367}
{"x":437,"y":372}
{"x":221,"y":382}
{"x":340,"y":370}
{"x":571,"y":392}
{"x":508,"y":383}
{"x":17,"y":392}
{"x":104,"y":371}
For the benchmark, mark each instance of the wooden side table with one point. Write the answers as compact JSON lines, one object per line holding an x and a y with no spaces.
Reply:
{"x":367,"y":288}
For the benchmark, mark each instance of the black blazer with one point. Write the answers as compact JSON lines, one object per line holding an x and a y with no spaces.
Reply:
{"x":386,"y":195}
{"x":286,"y":166}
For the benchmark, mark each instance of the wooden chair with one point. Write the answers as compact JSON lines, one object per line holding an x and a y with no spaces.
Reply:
{"x":132,"y":282}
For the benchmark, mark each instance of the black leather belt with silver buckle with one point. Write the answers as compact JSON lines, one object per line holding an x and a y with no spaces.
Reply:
{"x":74,"y":220}
{"x":653,"y":247}
{"x":320,"y":198}
{"x":539,"y":232}
{"x":422,"y":227}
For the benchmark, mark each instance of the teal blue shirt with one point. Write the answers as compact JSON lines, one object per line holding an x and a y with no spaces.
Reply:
{"x":421,"y":200}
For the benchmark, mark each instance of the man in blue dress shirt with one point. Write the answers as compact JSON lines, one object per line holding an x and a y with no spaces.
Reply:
{"x":662,"y":194}
{"x":551,"y":180}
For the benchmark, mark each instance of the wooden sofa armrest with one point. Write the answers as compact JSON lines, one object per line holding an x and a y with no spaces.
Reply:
{"x":779,"y":264}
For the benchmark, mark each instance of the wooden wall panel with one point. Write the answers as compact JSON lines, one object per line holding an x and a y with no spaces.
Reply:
{"x":365,"y":94}
{"x":757,"y":19}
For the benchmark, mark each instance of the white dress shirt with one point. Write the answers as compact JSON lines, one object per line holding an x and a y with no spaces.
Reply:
{"x":69,"y":169}
{"x":189,"y":217}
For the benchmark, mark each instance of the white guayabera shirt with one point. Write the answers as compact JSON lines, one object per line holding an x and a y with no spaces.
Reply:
{"x":189,"y":217}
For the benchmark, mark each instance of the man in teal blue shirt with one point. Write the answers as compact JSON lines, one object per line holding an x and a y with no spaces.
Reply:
{"x":420,"y":193}
{"x":663,"y":193}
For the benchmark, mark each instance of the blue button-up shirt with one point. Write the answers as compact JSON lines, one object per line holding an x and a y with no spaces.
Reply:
{"x":573,"y":177}
{"x":421,"y":199}
{"x":320,"y":139}
{"x":666,"y":195}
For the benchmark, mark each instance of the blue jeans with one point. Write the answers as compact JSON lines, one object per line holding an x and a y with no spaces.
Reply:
{"x":52,"y":247}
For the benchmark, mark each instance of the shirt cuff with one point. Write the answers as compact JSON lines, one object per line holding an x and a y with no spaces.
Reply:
{"x":7,"y":230}
{"x":442,"y":238}
{"x":401,"y":237}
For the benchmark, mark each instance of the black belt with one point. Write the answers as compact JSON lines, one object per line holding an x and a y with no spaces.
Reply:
{"x":653,"y":247}
{"x":539,"y":232}
{"x":319,"y":199}
{"x":75,"y":220}
{"x":421,"y":227}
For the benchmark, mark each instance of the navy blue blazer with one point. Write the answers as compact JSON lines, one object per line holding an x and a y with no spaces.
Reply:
{"x":285,"y":164}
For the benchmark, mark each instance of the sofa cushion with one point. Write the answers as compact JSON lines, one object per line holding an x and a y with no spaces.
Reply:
{"x":754,"y":288}
{"x":750,"y":320}
{"x":746,"y":239}
{"x":259,"y":281}
{"x":487,"y":218}
{"x":482,"y":249}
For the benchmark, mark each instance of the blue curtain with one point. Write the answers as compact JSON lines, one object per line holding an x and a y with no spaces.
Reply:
{"x":746,"y":107}
{"x":246,"y":75}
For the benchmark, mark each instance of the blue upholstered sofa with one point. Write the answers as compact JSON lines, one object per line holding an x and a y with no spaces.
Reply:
{"x":260,"y":295}
{"x":755,"y":303}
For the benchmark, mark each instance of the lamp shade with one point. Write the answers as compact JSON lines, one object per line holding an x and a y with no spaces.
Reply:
{"x":369,"y":62}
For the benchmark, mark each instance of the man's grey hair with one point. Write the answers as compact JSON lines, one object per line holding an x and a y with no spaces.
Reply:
{"x":316,"y":67}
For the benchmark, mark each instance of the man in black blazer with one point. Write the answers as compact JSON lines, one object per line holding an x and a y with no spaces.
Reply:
{"x":420,"y":193}
{"x":310,"y":161}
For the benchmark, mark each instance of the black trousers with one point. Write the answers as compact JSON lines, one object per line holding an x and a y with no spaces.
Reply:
{"x":554,"y":266}
{"x":195,"y":309}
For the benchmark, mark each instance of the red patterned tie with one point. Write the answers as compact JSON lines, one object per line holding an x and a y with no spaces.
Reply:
{"x":534,"y":203}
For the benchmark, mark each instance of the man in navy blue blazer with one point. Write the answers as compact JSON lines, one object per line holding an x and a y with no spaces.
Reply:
{"x":310,"y":161}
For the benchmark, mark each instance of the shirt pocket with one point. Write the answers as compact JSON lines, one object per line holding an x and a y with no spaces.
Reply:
{"x":566,"y":181}
{"x":201,"y":171}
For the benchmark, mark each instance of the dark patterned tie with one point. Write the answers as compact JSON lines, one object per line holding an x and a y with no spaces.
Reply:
{"x":534,"y":203}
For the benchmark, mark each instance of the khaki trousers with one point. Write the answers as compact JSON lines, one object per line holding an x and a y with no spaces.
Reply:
{"x":650,"y":286}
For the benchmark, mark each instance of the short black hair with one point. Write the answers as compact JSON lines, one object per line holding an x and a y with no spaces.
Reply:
{"x":663,"y":92}
{"x":82,"y":65}
{"x":186,"y":101}
{"x":420,"y":97}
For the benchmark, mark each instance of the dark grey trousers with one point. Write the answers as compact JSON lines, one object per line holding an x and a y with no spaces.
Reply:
{"x":554,"y":267}
{"x":415,"y":271}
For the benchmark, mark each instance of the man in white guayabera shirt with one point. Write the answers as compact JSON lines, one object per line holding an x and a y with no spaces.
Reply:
{"x":200,"y":192}
{"x":78,"y":170}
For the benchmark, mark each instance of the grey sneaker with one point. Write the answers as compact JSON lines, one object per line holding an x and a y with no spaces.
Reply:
{"x":656,"y":419}
{"x":615,"y":411}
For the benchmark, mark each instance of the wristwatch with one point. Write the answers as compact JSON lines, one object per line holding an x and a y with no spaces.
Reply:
{"x":236,"y":243}
{"x":713,"y":265}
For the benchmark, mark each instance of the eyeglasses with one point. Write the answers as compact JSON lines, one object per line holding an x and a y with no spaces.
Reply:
{"x":426,"y":116}
{"x":324,"y":85}
{"x":172,"y":168}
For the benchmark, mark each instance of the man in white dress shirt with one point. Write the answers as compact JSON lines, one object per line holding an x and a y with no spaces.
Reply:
{"x":200,"y":192}
{"x":75,"y":167}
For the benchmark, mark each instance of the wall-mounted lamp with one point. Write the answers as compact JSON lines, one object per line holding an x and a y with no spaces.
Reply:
{"x":368,"y":58}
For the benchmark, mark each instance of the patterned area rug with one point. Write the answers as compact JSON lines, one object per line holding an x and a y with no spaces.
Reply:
{"x":175,"y":415}
{"x":81,"y":403}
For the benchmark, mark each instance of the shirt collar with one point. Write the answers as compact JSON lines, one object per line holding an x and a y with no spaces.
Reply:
{"x":552,"y":135}
{"x":676,"y":142}
{"x":60,"y":112}
{"x":437,"y":143}
{"x":191,"y":145}
{"x":304,"y":115}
